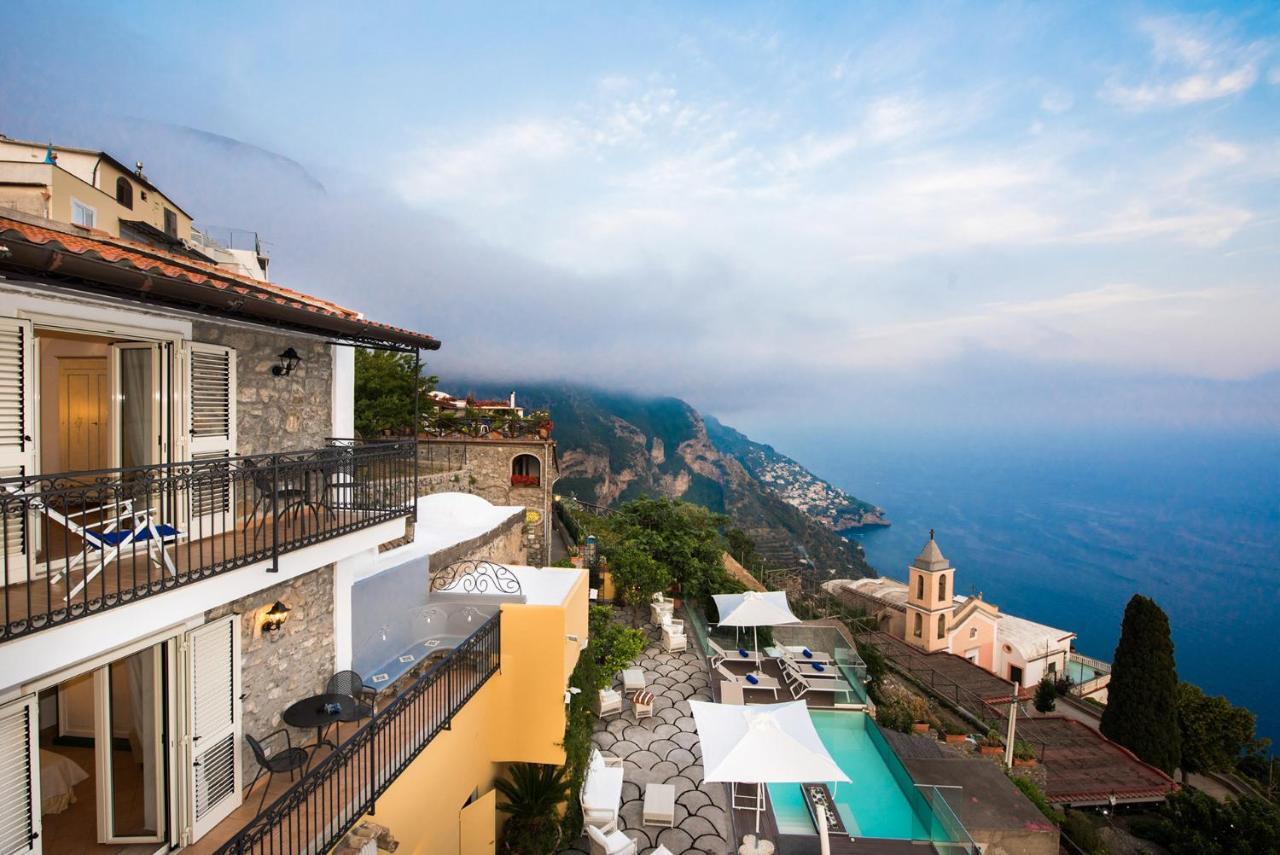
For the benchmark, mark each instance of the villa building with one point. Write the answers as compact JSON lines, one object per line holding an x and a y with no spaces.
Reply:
{"x":926,"y":613}
{"x":98,"y":194}
{"x":195,"y":548}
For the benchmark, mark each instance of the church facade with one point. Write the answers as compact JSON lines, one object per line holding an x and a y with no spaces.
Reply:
{"x":926,"y":613}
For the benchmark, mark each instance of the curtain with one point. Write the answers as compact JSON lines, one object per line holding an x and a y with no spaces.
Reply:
{"x":136,"y":393}
{"x":142,"y":692}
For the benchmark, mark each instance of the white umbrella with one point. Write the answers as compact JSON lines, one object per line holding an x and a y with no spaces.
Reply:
{"x":769,"y":743}
{"x":754,"y":609}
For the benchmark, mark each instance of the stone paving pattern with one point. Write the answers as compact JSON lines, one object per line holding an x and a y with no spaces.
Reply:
{"x":664,"y":749}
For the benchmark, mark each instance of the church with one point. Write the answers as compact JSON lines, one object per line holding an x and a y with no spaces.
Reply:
{"x":927,"y":613}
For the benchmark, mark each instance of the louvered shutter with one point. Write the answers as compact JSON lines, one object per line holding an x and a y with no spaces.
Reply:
{"x":19,"y":777}
{"x":213,"y":671}
{"x":17,"y":450}
{"x":212,"y":431}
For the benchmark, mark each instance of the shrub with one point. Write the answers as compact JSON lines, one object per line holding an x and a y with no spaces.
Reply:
{"x":1023,"y":750}
{"x":1083,"y":833}
{"x":532,"y":794}
{"x":1046,"y":696}
{"x":1032,"y":792}
{"x":1192,"y":823}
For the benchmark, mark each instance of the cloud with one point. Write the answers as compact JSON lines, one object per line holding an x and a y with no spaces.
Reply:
{"x":1190,"y":64}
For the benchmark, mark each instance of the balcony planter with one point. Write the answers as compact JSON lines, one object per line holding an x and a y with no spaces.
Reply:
{"x":990,"y":750}
{"x":920,"y":727}
{"x":956,"y":738}
{"x":524,"y":480}
{"x":1025,"y":764}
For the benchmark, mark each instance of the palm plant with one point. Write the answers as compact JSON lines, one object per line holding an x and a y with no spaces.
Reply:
{"x":533,"y":793}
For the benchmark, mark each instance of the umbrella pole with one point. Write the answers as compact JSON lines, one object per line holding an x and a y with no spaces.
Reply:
{"x":755,"y":636}
{"x":760,"y":805}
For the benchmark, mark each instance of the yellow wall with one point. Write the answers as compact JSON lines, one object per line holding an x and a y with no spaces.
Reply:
{"x":149,"y":210}
{"x":518,"y":716}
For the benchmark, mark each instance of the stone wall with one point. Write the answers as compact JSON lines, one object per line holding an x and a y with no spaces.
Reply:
{"x":487,"y":467}
{"x":276,"y":413}
{"x":275,"y":674}
{"x":505,"y":545}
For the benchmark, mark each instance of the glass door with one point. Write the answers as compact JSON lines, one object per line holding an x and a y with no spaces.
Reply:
{"x":130,"y":730}
{"x":139,"y":402}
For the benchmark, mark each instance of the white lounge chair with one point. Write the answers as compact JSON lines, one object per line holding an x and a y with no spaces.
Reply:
{"x":793,"y":671}
{"x":762,"y":681}
{"x":608,"y":840}
{"x":672,"y":623}
{"x":795,"y":653}
{"x":719,"y":654}
{"x":601,"y":792}
{"x":803,"y":685}
{"x":674,"y":642}
{"x":609,"y":703}
{"x":659,"y":611}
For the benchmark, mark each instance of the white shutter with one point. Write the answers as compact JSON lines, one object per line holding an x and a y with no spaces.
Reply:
{"x":213,"y":669}
{"x":17,"y":450}
{"x":19,"y":777}
{"x":211,"y":417}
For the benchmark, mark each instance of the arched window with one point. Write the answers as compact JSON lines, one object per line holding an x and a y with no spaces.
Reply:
{"x":920,"y":586}
{"x":526,"y":471}
{"x":942,"y":587}
{"x":942,"y":626}
{"x":124,"y":192}
{"x":919,"y":627}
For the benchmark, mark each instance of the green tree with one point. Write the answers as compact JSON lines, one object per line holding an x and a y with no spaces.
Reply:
{"x":1214,"y":732}
{"x":683,"y":538}
{"x":637,"y":574}
{"x":532,"y":794}
{"x":1142,"y":698}
{"x":1192,"y":823}
{"x":1046,"y":696}
{"x":384,"y":393}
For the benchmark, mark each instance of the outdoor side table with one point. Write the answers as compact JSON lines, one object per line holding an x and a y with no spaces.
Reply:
{"x":632,"y":679}
{"x":660,"y":805}
{"x":310,"y":712}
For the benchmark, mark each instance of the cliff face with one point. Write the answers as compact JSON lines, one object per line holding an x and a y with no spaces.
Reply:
{"x":615,"y":447}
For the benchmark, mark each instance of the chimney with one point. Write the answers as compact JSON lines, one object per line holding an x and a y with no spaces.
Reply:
{"x":138,"y":166}
{"x":512,"y":401}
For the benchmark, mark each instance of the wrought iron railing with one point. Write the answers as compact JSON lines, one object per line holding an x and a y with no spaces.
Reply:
{"x":79,"y":543}
{"x":313,"y":814}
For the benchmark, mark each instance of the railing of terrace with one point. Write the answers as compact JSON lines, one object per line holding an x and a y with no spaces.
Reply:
{"x":313,"y":814}
{"x":79,"y":543}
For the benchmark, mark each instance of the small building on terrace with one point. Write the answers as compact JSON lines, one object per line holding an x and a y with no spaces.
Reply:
{"x":926,"y":613}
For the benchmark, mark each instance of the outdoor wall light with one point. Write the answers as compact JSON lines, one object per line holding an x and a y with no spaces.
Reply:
{"x":289,"y":360}
{"x":273,"y":620}
{"x":471,"y":613}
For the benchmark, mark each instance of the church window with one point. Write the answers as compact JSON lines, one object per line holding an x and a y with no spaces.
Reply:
{"x":942,"y":587}
{"x":942,"y":626}
{"x":919,"y":628}
{"x":920,"y":586}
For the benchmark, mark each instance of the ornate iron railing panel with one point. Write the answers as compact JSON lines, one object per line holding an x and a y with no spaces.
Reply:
{"x":79,"y":543}
{"x":475,"y":577}
{"x":331,"y":797}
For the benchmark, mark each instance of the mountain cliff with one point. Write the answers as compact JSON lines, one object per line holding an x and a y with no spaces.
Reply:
{"x":614,"y":447}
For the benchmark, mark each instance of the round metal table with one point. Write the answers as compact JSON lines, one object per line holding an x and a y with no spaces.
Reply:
{"x":310,"y":712}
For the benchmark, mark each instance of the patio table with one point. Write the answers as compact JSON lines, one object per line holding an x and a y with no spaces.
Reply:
{"x":310,"y":712}
{"x":632,"y":679}
{"x":660,"y":804}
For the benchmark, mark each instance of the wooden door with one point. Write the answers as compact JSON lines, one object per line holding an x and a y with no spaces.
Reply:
{"x":84,"y":416}
{"x":478,"y":825}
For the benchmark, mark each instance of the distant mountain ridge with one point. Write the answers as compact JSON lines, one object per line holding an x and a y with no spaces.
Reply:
{"x":616,"y":446}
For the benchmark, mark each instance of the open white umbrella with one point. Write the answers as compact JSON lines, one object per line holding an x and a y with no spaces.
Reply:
{"x":754,"y":609}
{"x":765,"y":744}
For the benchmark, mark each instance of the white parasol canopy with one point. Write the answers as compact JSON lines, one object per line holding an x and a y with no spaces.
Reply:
{"x":753,"y":609}
{"x":768,"y":743}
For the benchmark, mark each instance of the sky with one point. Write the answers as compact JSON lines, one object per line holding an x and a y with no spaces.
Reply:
{"x":944,"y":213}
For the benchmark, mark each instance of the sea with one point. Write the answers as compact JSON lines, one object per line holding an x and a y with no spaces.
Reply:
{"x":1064,"y":529}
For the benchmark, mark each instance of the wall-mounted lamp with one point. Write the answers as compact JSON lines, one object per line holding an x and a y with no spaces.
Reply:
{"x":289,"y":360}
{"x":472,"y":613}
{"x":273,"y":620}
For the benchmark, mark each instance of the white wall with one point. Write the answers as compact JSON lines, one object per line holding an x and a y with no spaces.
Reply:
{"x":344,"y":391}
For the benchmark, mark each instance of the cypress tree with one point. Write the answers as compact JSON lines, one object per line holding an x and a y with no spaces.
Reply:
{"x":1142,"y":697}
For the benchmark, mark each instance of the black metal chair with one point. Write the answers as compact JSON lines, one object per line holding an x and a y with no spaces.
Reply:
{"x":290,"y":760}
{"x":285,"y":497}
{"x":352,"y":685}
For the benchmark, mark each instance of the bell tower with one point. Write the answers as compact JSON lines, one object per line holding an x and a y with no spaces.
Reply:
{"x":930,"y":598}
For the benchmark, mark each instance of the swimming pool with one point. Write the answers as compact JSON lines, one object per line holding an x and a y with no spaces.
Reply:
{"x":881,"y":801}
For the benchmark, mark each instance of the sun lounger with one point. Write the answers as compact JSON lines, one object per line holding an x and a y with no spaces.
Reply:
{"x":792,"y":671}
{"x":719,"y":654}
{"x":601,"y":790}
{"x":795,"y":652}
{"x":802,"y":686}
{"x":749,"y":681}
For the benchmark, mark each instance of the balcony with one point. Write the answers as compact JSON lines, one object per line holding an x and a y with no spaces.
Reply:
{"x":312,"y":814}
{"x":79,"y":543}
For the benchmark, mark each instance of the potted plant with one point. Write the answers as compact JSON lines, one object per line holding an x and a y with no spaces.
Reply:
{"x":532,"y":797}
{"x":920,"y":726}
{"x":1023,"y":754}
{"x":991,"y":746}
{"x":954,"y":734}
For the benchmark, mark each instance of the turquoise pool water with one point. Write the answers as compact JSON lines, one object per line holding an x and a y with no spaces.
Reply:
{"x":881,"y":801}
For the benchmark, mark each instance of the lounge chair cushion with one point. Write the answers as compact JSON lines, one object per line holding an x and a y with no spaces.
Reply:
{"x":817,"y":666}
{"x":742,"y":651}
{"x":753,"y":679}
{"x":808,"y":654}
{"x":602,"y":790}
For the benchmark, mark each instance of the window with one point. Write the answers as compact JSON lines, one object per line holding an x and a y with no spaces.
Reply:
{"x":525,"y":471}
{"x":82,"y":214}
{"x":1053,"y":667}
{"x":170,"y":223}
{"x":920,"y":586}
{"x":124,"y":192}
{"x":919,"y":627}
{"x":942,"y":587}
{"x":973,"y":632}
{"x":942,"y":626}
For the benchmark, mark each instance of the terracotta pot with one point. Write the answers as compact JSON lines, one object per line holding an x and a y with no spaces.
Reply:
{"x":920,"y":727}
{"x":990,"y":750}
{"x":956,"y":738}
{"x":1024,"y":763}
